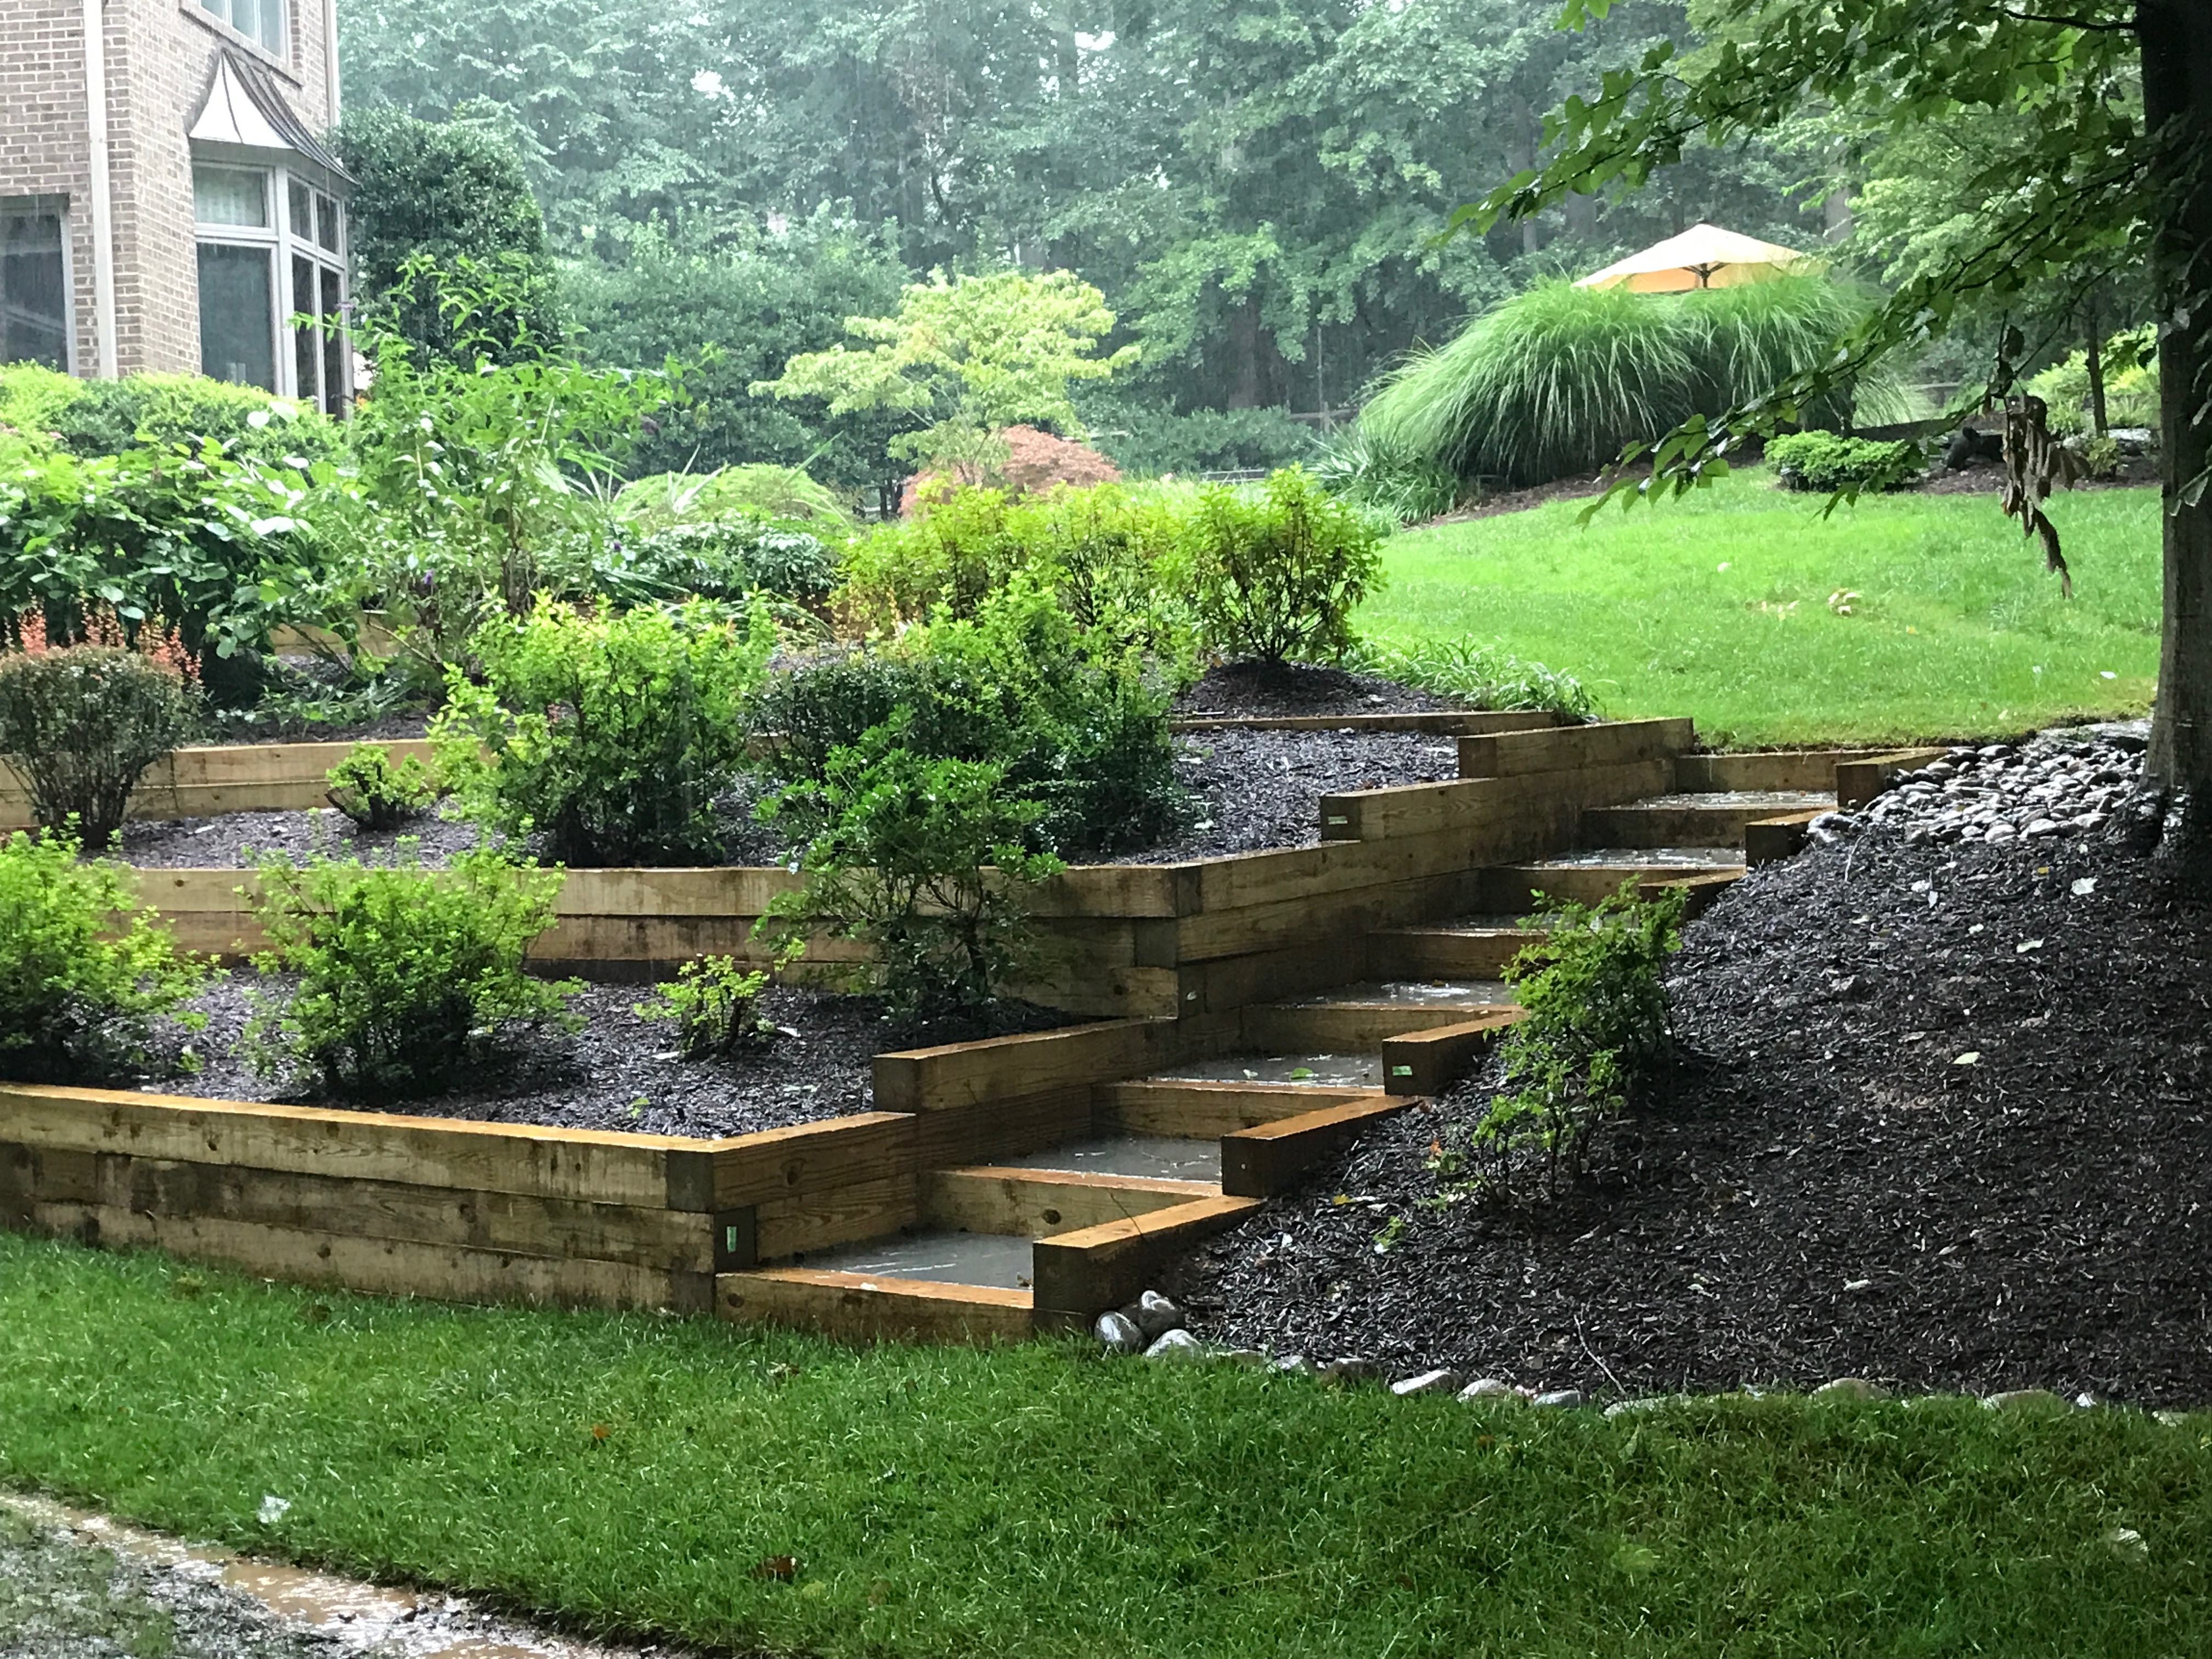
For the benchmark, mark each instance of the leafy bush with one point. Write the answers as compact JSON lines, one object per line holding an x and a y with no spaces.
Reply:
{"x":1556,"y":380}
{"x":1021,"y":460}
{"x":1079,"y":733}
{"x":82,"y":725}
{"x":208,"y":543}
{"x":405,"y":974}
{"x":609,"y":735}
{"x":84,"y":970}
{"x":1486,"y":676}
{"x":715,"y":1003}
{"x":727,"y":559}
{"x":375,"y":794}
{"x":1594,"y":1022}
{"x":1277,"y":573}
{"x":1826,"y":461}
{"x":949,"y":554}
{"x":2131,"y":394}
{"x":161,"y":411}
{"x":921,"y":858}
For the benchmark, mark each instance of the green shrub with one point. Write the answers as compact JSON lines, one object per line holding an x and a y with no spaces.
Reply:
{"x":1080,"y":733}
{"x":922,"y":859}
{"x":1826,"y":462}
{"x":405,"y":974}
{"x":1145,"y":442}
{"x":1276,"y":573}
{"x":1485,"y":676}
{"x":160,"y":411}
{"x":376,"y":794}
{"x":727,"y":559}
{"x":1556,"y":380}
{"x":81,"y":725}
{"x":715,"y":1003}
{"x":84,"y":969}
{"x":1594,"y":1023}
{"x":609,"y":735}
{"x":2131,"y":394}
{"x":665,"y":501}
{"x":949,"y":554}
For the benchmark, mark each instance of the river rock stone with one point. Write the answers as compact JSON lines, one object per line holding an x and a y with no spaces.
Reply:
{"x":1850,"y":1388}
{"x":1154,"y":1315}
{"x":1437,"y":1382}
{"x":1351,"y":1370}
{"x":1559,"y":1397}
{"x":1117,"y":1335}
{"x":2034,"y":1403}
{"x":1490,"y":1387}
{"x":1176,"y":1344}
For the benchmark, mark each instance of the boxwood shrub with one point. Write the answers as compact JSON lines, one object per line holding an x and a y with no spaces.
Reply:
{"x":1827,"y":461}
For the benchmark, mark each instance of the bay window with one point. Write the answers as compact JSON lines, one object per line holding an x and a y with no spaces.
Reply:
{"x":272,"y":281}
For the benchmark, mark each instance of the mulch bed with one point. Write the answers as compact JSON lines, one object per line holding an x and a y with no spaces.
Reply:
{"x":1819,"y":1186}
{"x":1248,"y":690}
{"x":621,"y":1071}
{"x":1259,"y":788}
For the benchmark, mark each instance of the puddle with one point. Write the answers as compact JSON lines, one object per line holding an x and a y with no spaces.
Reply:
{"x":1468,"y":993}
{"x":1318,"y":1071}
{"x":1775,"y":801}
{"x":1002,"y":1260}
{"x":1158,"y":1157}
{"x":1700,"y":858}
{"x":352,"y":1616}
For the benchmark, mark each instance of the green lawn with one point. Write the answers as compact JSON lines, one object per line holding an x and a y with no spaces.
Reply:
{"x":1042,"y":1501}
{"x":1717,"y":606}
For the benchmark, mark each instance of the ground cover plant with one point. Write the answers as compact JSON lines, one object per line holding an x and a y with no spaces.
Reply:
{"x":656,"y":1474}
{"x":404,"y":975}
{"x":85,"y":971}
{"x":1828,"y":462}
{"x":1718,"y":605}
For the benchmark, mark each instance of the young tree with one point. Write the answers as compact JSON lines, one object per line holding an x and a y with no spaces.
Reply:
{"x":969,"y":357}
{"x":2112,"y":160}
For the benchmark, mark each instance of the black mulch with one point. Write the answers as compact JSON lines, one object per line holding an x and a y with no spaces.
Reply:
{"x":1259,"y":789}
{"x":621,"y":1071}
{"x":264,"y":728}
{"x":1246,"y":690}
{"x":1823,"y":1186}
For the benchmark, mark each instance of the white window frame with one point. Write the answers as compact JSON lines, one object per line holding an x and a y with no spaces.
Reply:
{"x":283,"y":241}
{"x":229,"y":31}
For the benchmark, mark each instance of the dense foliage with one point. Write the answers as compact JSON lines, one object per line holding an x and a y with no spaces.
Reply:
{"x":85,"y":971}
{"x":922,"y":858}
{"x":160,"y":411}
{"x":82,"y":725}
{"x":1276,"y":573}
{"x":1828,"y":462}
{"x":405,"y":973}
{"x":608,"y":735}
{"x":377,"y":792}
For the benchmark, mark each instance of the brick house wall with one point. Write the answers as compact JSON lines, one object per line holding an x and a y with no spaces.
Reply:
{"x":161,"y":54}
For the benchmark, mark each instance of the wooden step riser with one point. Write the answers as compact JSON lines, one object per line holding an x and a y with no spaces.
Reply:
{"x":1342,"y":1028}
{"x":1440,"y":953}
{"x":1039,"y":1203}
{"x":1513,"y":891}
{"x":1204,"y":1111}
{"x":1671,"y":826}
{"x":1274,"y":1158}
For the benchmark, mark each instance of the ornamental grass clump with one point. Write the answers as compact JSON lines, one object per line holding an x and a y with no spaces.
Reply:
{"x":406,"y":975}
{"x":609,"y":736}
{"x":85,"y":971}
{"x":82,"y":725}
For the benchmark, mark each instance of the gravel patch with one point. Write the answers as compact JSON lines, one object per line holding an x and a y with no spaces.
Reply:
{"x":1942,"y":1116}
{"x":621,"y":1072}
{"x":1261,"y":788}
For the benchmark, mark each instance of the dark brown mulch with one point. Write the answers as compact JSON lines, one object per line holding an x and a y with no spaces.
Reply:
{"x":1520,"y":501}
{"x":623,"y":1073}
{"x":1820,"y":1188}
{"x":263,"y":728}
{"x":1248,"y":689}
{"x":1263,"y":788}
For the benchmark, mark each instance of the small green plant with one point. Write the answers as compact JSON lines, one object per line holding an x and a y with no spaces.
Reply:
{"x":1826,"y":461}
{"x":1594,"y":1022}
{"x":376,"y":794}
{"x":85,"y":970}
{"x":715,"y":1004}
{"x":405,"y":974}
{"x":1487,"y":676}
{"x":921,"y":858}
{"x":1277,"y":573}
{"x":82,"y":725}
{"x":609,"y":735}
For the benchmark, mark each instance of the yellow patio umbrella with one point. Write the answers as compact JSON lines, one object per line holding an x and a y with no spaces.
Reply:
{"x":1703,"y":256}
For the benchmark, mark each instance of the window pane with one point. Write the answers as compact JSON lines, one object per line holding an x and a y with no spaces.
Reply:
{"x":220,"y":8}
{"x":236,"y":307}
{"x":303,"y":208}
{"x":33,"y":299}
{"x":272,"y":31}
{"x":306,"y":356}
{"x":334,"y":347}
{"x":326,"y":222}
{"x":230,"y":195}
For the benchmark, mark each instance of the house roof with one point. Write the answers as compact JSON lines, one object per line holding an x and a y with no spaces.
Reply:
{"x":242,"y":107}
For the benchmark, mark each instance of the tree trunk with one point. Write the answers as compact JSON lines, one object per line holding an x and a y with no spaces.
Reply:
{"x":1244,"y":352}
{"x":2095,"y":358}
{"x":2177,"y":48}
